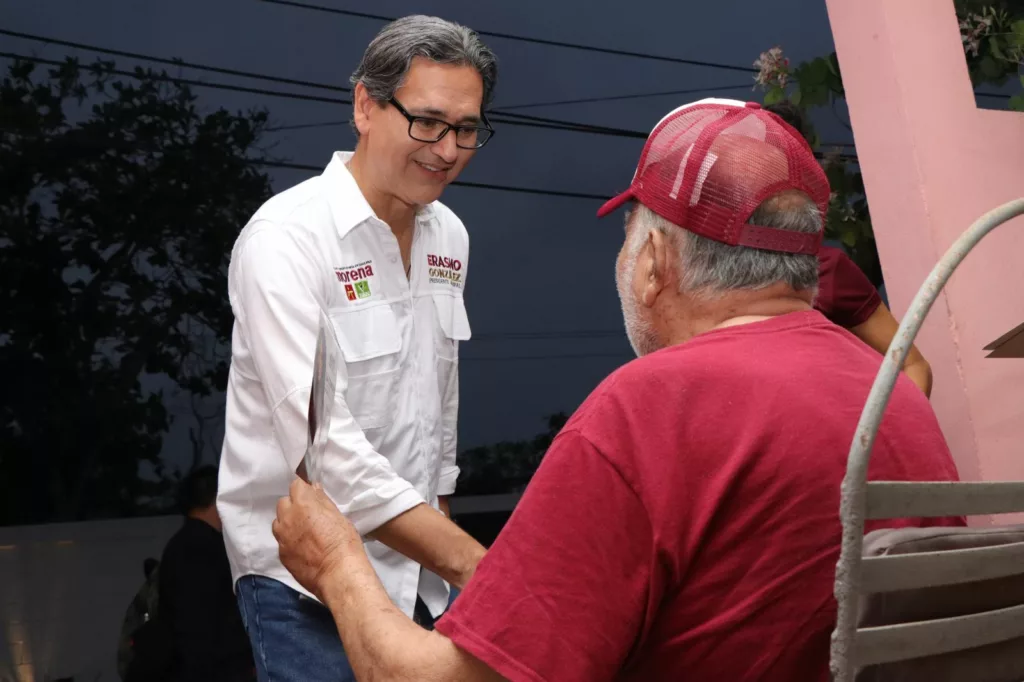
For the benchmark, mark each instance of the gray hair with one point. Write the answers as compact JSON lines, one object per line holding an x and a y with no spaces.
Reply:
{"x":389,"y":55}
{"x":712,"y":268}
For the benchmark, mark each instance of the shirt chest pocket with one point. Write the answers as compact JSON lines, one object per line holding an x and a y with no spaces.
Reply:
{"x":371,"y":345}
{"x":452,"y":327}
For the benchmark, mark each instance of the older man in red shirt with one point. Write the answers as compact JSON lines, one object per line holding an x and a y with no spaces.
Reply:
{"x":684,"y":524}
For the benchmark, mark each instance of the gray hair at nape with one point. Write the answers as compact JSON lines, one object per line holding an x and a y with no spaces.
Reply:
{"x":710,"y":269}
{"x":389,"y":55}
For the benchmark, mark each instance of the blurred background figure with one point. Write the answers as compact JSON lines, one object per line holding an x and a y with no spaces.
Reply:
{"x":198,"y":617}
{"x":142,"y":608}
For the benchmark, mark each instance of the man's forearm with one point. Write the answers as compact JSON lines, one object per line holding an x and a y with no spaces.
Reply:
{"x":433,"y":541}
{"x":381,"y":643}
{"x":921,"y":374}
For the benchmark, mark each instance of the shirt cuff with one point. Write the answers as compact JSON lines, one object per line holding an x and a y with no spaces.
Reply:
{"x":446,"y":484}
{"x":368,"y":520}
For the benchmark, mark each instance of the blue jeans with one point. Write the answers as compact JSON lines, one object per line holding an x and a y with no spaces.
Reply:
{"x":294,"y":638}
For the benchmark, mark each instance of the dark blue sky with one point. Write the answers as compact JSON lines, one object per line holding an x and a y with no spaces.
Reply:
{"x":539,"y":264}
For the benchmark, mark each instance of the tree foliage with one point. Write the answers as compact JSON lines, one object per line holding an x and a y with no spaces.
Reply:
{"x":507,"y":466}
{"x":119,"y":205}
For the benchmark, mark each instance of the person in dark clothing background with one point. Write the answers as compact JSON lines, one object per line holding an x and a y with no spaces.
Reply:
{"x":197,"y":603}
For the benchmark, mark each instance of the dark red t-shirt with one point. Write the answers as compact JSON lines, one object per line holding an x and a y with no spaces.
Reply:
{"x":685,"y":523}
{"x":845,"y":294}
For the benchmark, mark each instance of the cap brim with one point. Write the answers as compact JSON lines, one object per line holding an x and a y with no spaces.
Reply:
{"x":614,"y":203}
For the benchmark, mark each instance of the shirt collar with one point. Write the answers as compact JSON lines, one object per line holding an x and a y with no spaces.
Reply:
{"x":349,"y":207}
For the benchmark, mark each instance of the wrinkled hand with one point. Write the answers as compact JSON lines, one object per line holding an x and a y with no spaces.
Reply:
{"x":314,"y":537}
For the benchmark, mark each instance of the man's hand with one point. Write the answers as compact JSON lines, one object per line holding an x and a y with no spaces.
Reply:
{"x":314,"y":537}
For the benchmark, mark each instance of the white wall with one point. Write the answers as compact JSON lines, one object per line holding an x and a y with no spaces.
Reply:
{"x":64,"y":589}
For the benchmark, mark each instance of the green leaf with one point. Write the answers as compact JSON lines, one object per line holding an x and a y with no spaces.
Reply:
{"x":833,"y":65}
{"x":815,"y":95}
{"x":1017,"y":33}
{"x":997,"y":52}
{"x":774,"y":96}
{"x":989,"y":68}
{"x":1017,"y":103}
{"x":849,"y":238}
{"x":795,"y":97}
{"x":818,"y":70}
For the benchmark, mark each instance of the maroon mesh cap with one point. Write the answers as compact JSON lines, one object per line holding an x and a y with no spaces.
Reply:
{"x":706,"y":166}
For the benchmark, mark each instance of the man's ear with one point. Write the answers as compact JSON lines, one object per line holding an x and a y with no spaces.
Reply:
{"x":362,"y":105}
{"x":657,"y":258}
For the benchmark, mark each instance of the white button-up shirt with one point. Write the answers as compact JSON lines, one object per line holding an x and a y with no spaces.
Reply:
{"x":391,"y":446}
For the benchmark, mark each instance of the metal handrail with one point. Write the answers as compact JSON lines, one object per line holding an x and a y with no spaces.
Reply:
{"x":851,"y":510}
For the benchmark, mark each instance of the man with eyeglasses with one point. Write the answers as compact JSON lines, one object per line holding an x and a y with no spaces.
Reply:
{"x":368,"y":243}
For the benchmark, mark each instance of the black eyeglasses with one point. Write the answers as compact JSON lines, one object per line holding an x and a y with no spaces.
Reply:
{"x":426,"y":129}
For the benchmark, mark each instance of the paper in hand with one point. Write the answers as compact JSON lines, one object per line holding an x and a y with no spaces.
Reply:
{"x":321,"y":399}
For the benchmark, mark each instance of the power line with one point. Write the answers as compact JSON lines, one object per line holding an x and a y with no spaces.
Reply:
{"x":458,"y":183}
{"x":611,"y":98}
{"x":300,"y":126}
{"x":187,"y":81}
{"x":543,"y":336}
{"x":501,"y":116}
{"x":566,"y":126}
{"x":527,"y":39}
{"x":258,"y":76}
{"x":529,"y":122}
{"x":506,"y":111}
{"x":599,"y":129}
{"x":173,"y":61}
{"x":552,"y":356}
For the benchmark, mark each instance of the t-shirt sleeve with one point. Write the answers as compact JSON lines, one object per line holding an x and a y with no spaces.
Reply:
{"x":845,"y":294}
{"x":562,"y":594}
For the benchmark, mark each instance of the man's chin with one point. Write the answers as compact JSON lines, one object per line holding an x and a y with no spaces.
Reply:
{"x":427,"y":195}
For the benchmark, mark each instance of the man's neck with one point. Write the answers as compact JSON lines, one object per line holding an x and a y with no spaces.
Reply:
{"x":399,"y":215}
{"x":739,"y":308}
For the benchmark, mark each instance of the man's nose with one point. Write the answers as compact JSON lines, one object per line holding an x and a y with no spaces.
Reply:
{"x":446,"y":147}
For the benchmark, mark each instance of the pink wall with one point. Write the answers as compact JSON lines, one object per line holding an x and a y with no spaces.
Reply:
{"x":933,"y":163}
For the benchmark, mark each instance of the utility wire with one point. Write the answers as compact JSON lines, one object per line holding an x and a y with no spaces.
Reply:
{"x":275,"y":79}
{"x":458,"y":183}
{"x":187,"y":81}
{"x":528,"y":39}
{"x":584,"y":335}
{"x":612,"y":98}
{"x":172,"y":61}
{"x":532,"y":122}
{"x":503,"y":114}
{"x":569,"y":127}
{"x":553,"y":356}
{"x":338,"y":88}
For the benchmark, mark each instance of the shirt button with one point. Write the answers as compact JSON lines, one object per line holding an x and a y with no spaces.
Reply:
{"x":394,"y":259}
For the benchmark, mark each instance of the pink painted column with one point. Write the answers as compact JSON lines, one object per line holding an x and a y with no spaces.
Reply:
{"x":933,"y":163}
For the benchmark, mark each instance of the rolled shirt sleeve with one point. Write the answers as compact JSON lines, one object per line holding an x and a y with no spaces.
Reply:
{"x":277,"y":295}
